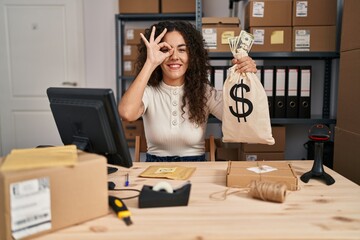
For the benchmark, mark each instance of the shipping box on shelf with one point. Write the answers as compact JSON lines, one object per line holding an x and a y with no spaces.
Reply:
{"x":314,"y":38}
{"x":240,"y":174}
{"x":176,"y":6}
{"x":130,"y":52}
{"x":268,"y":13}
{"x":348,"y":114}
{"x":271,"y":39}
{"x":217,"y":30}
{"x":52,"y":198}
{"x":139,"y":6}
{"x":314,"y":13}
{"x":350,"y":29}
{"x":279,"y":134}
{"x":132,"y":36}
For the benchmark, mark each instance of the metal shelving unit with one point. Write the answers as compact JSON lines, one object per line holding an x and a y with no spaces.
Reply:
{"x":327,"y":57}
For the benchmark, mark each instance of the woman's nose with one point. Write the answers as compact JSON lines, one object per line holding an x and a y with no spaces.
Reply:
{"x":174,"y":55}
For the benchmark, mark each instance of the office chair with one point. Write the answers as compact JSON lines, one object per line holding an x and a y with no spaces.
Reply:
{"x":141,"y":147}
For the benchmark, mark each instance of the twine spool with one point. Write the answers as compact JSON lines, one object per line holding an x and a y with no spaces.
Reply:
{"x":267,"y":191}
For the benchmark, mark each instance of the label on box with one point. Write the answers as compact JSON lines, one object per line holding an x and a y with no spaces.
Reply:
{"x":250,"y":157}
{"x":301,"y":8}
{"x":209,"y":35}
{"x":127,"y":50}
{"x":258,"y":9}
{"x":302,"y":40}
{"x":30,"y":207}
{"x":130,"y":34}
{"x":127,"y":66}
{"x":226,"y":35}
{"x":262,"y":169}
{"x":259,"y":35}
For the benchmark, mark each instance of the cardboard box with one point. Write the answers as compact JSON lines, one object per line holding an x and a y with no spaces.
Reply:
{"x":216,"y":32}
{"x":227,"y":151}
{"x":279,"y":134}
{"x":133,"y":129}
{"x":346,"y":154}
{"x":52,"y":198}
{"x":350,"y":30}
{"x":132,"y":36}
{"x":268,"y":13}
{"x":176,"y":6}
{"x":348,"y":114}
{"x":240,"y":174}
{"x":130,"y":52}
{"x":129,"y":68}
{"x":271,"y":39}
{"x":139,"y":6}
{"x":314,"y":38}
{"x":314,"y":12}
{"x":261,"y":156}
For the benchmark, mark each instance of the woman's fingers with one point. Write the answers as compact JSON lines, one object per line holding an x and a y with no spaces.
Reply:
{"x":245,"y":64}
{"x":158,"y":39}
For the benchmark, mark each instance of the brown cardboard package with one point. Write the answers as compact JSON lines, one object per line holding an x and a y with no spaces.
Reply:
{"x":139,"y":6}
{"x":130,"y":52}
{"x":314,"y":38}
{"x":52,"y":198}
{"x":268,"y":13}
{"x":240,"y":174}
{"x":261,"y":156}
{"x":132,"y":36}
{"x":348,"y":114}
{"x":346,"y":154}
{"x":176,"y":6}
{"x":227,"y":151}
{"x":129,"y":68}
{"x":216,"y":32}
{"x":350,"y":30}
{"x":314,"y":12}
{"x":271,"y":39}
{"x":279,"y":135}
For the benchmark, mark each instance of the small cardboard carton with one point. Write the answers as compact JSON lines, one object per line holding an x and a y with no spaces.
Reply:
{"x":240,"y":174}
{"x":176,"y":6}
{"x":139,"y":6}
{"x":314,"y":12}
{"x":314,"y":38}
{"x":271,"y":39}
{"x":268,"y":13}
{"x":38,"y":201}
{"x":216,"y":32}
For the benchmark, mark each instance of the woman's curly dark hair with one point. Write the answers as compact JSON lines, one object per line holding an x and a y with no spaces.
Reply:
{"x":196,"y":76}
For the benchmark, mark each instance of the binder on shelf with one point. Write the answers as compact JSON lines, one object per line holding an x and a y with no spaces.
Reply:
{"x":260,"y":74}
{"x":279,"y":98}
{"x":305,"y":92}
{"x":269,"y":87}
{"x":292,"y":97}
{"x":219,"y":74}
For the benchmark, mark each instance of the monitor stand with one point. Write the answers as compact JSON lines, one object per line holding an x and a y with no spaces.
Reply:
{"x":111,"y":170}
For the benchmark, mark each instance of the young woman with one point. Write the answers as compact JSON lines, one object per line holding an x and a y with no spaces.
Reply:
{"x":172,"y":92}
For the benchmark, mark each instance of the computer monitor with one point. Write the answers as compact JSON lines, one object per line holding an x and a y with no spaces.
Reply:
{"x":88,"y":118}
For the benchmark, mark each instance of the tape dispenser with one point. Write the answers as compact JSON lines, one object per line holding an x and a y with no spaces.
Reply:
{"x":163,"y":195}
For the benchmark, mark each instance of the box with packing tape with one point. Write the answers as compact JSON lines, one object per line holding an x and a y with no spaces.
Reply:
{"x":42,"y":200}
{"x":216,"y":32}
{"x":240,"y":174}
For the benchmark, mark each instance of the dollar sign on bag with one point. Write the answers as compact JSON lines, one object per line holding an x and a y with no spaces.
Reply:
{"x":234,"y":96}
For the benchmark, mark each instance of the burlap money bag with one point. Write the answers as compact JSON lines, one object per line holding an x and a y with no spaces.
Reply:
{"x":246,"y":116}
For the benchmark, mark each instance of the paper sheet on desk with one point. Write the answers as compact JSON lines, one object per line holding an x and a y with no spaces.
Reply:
{"x":40,"y":157}
{"x":168,"y":171}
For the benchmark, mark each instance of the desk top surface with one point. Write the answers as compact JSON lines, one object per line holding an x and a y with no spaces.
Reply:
{"x":316,"y":211}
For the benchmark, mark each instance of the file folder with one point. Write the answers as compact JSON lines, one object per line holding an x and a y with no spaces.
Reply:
{"x":260,"y":74}
{"x":279,"y":107}
{"x":292,"y":97}
{"x":269,"y":88}
{"x":305,"y":92}
{"x":219,"y":78}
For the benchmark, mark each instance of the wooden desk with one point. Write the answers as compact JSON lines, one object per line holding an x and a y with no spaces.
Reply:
{"x":317,"y":211}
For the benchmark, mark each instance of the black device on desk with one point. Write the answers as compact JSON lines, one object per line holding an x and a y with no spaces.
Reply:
{"x":88,"y":118}
{"x":319,"y":133}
